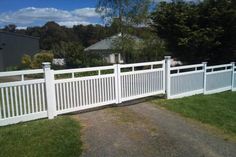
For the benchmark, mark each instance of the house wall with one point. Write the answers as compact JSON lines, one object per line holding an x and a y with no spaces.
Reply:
{"x":13,"y":47}
{"x":111,"y":58}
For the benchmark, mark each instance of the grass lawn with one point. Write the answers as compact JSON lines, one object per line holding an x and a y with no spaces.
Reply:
{"x":218,"y":110}
{"x":43,"y":138}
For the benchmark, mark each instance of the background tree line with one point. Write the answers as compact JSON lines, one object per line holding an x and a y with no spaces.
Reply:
{"x":189,"y":31}
{"x":196,"y":32}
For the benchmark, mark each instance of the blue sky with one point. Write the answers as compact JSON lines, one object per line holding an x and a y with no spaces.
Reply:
{"x":25,"y":13}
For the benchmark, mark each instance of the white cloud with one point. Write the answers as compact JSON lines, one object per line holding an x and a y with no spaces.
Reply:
{"x":85,"y":12}
{"x":21,"y":27}
{"x":72,"y":23}
{"x":157,"y":1}
{"x":38,"y":16}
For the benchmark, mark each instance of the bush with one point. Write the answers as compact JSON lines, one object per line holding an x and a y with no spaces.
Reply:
{"x":35,"y":62}
{"x":39,"y":58}
{"x":26,"y":61}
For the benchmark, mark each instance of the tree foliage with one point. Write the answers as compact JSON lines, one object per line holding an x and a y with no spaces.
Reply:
{"x":128,"y":47}
{"x":124,"y":12}
{"x":147,"y":48}
{"x":198,"y":32}
{"x":72,"y":52}
{"x":153,"y":48}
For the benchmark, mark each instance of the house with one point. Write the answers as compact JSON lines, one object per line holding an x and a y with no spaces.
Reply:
{"x":13,"y":46}
{"x":105,"y":48}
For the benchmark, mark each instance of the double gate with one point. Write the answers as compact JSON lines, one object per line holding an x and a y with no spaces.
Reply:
{"x":78,"y":89}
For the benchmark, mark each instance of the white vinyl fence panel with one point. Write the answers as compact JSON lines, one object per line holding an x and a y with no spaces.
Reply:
{"x":218,"y":78}
{"x":200,"y":78}
{"x":142,"y":82}
{"x":83,"y":92}
{"x":22,"y":100}
{"x":186,"y":80}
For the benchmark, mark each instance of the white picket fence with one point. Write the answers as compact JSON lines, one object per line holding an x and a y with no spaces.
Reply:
{"x":200,"y":78}
{"x":45,"y":92}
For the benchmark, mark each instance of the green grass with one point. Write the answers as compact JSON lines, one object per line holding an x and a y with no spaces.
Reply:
{"x":43,"y":138}
{"x":218,"y":110}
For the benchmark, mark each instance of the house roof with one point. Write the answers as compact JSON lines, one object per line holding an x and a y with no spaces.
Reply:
{"x":18,"y":34}
{"x":107,"y":44}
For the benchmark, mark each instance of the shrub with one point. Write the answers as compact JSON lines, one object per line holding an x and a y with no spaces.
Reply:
{"x":35,"y":62}
{"x":39,"y":58}
{"x":26,"y":61}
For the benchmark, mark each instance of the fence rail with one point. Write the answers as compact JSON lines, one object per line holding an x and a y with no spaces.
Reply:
{"x":41,"y":93}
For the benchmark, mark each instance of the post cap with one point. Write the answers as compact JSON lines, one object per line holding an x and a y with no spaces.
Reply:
{"x":46,"y":65}
{"x":167,"y":57}
{"x":204,"y":62}
{"x":232,"y":62}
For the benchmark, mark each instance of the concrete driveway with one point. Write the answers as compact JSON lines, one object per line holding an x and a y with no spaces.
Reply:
{"x":144,"y":130}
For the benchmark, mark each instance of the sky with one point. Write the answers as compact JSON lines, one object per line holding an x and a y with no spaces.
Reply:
{"x":26,"y":13}
{"x":29,"y":13}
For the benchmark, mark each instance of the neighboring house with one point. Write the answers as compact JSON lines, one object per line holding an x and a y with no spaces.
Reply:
{"x":105,"y":49}
{"x":174,"y":62}
{"x":13,"y":46}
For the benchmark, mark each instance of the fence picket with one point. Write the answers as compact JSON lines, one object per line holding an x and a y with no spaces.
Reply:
{"x":12,"y":103}
{"x":16,"y":101}
{"x":28,"y":99}
{"x":43,"y":97}
{"x":3,"y":102}
{"x":7,"y":103}
{"x":36,"y":98}
{"x":39,"y":97}
{"x":32,"y":98}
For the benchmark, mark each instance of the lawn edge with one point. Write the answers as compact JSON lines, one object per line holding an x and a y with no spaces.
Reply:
{"x":227,"y":136}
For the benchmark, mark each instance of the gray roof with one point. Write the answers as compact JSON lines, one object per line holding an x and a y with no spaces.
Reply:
{"x":17,"y":34}
{"x":106,"y":44}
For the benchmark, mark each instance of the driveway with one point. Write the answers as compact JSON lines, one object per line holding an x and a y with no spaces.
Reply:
{"x":144,"y":130}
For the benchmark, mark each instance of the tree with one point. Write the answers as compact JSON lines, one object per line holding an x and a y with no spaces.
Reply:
{"x":128,"y":47}
{"x":52,"y":33}
{"x":125,"y":16}
{"x":72,"y":52}
{"x":125,"y":12}
{"x":198,"y":32}
{"x":10,"y":28}
{"x":153,"y":48}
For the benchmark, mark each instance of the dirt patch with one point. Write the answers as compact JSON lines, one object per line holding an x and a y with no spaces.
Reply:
{"x":124,"y":116}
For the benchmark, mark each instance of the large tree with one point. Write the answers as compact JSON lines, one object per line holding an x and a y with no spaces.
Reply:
{"x":198,"y":32}
{"x":10,"y":28}
{"x":125,"y":16}
{"x":124,"y":12}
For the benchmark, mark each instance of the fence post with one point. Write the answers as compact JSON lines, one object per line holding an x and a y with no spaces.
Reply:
{"x":167,"y":75}
{"x":50,"y":89}
{"x":204,"y":76}
{"x":117,"y":83}
{"x":233,"y":67}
